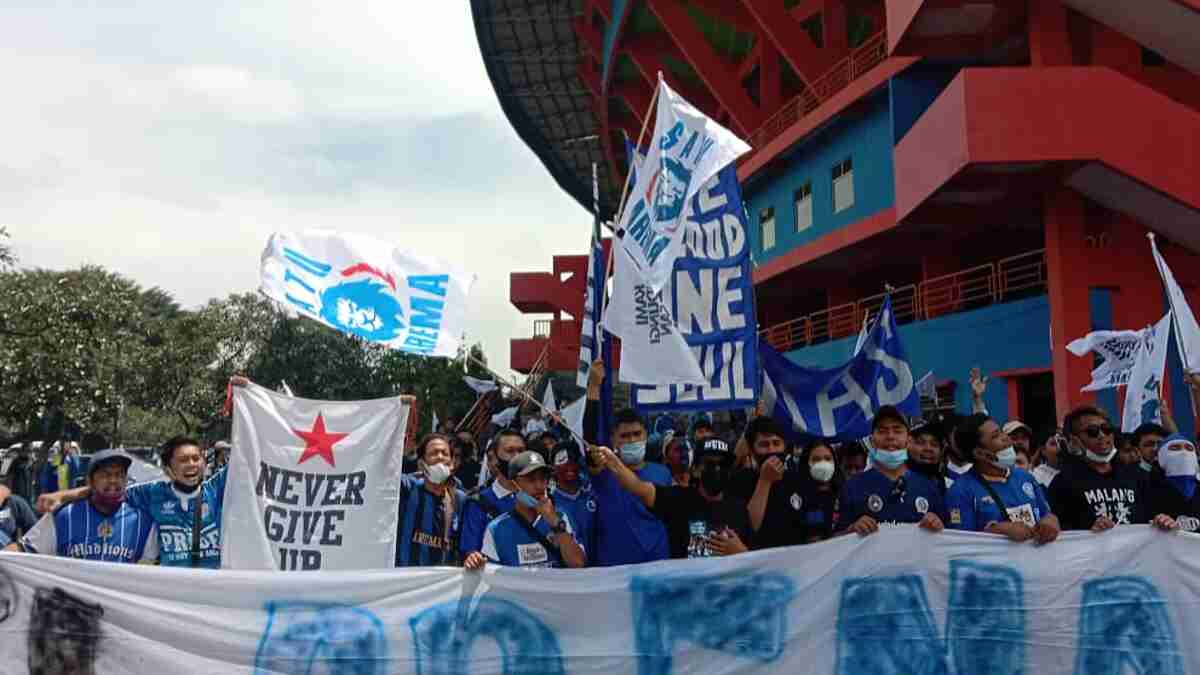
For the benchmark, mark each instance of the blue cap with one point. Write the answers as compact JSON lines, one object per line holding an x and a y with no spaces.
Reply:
{"x":110,"y":455}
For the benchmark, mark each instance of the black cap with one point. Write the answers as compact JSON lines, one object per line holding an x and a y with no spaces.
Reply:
{"x":888,"y":412}
{"x":108,"y":456}
{"x":567,"y":451}
{"x":714,"y":447}
{"x":933,"y":427}
{"x":526,"y":463}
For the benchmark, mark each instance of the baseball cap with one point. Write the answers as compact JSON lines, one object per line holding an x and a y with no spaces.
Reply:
{"x":714,"y":446}
{"x":526,"y":463}
{"x":923,"y":426}
{"x":888,"y":412}
{"x":1012,"y":425}
{"x":567,"y":452}
{"x":110,"y":455}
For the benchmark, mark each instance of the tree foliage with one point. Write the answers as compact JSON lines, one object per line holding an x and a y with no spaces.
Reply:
{"x":91,"y":346}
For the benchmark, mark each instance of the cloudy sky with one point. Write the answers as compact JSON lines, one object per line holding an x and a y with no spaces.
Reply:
{"x":167,"y":140}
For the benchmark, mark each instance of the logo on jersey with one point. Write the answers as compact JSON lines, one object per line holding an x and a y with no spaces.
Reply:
{"x":169,"y":507}
{"x":875,"y":503}
{"x":955,"y":517}
{"x":922,"y":505}
{"x":105,"y":529}
{"x":797,"y":502}
{"x":591,"y":505}
{"x":1027,"y":488}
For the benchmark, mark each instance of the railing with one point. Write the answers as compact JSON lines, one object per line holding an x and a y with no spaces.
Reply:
{"x":866,"y":56}
{"x":1005,"y":280}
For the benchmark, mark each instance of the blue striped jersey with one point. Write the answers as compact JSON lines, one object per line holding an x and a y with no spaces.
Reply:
{"x":80,"y":531}
{"x":422,"y":535}
{"x":174,"y":511}
{"x":476,"y":518}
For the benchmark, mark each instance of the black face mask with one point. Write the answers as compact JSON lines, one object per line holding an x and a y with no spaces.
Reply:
{"x":712,"y":479}
{"x":927,"y":470}
{"x":502,"y":465}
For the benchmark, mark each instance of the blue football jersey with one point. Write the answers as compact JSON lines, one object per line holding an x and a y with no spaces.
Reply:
{"x":475,"y":518}
{"x":581,"y":507}
{"x":423,"y":537}
{"x":905,"y":500}
{"x":80,"y":531}
{"x":174,"y":517}
{"x":508,"y":542}
{"x":970,"y":507}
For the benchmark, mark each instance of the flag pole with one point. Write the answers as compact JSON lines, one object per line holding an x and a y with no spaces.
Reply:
{"x":502,"y":380}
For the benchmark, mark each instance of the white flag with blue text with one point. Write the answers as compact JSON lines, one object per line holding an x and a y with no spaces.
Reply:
{"x":1143,"y":392}
{"x":370,"y":289}
{"x":687,"y":149}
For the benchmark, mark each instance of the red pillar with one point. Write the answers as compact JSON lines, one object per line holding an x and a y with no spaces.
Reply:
{"x":1067,"y":288}
{"x":1049,"y":41}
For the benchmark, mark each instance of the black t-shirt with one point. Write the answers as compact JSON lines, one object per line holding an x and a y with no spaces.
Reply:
{"x":1078,"y":495}
{"x":818,"y":511}
{"x":682,"y":508}
{"x":468,"y":474}
{"x":783,"y":522}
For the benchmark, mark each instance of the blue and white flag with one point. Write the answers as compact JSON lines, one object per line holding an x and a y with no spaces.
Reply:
{"x":687,"y":149}
{"x":590,"y":333}
{"x":1143,"y":392}
{"x":711,"y":296}
{"x":370,"y":289}
{"x":839,"y":403}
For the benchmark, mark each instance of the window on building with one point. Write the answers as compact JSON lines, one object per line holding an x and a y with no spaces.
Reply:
{"x":843,"y":185}
{"x":766,"y":220}
{"x":803,"y":199}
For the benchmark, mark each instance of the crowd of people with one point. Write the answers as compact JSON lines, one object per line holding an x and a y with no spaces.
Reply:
{"x":675,"y":488}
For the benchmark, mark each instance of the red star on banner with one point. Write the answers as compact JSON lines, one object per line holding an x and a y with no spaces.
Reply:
{"x":318,"y":442}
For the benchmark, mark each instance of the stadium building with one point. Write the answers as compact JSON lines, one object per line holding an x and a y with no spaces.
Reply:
{"x":998,"y":163}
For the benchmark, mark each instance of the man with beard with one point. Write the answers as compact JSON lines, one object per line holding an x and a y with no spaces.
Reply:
{"x":701,"y":519}
{"x":182,"y":505}
{"x":104,"y":527}
{"x":570,"y":495}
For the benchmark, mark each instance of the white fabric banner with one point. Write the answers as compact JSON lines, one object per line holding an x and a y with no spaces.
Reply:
{"x":686,"y":150}
{"x":1119,"y":349}
{"x":572,"y":416}
{"x":898,"y":602}
{"x":369,"y":288}
{"x":652,"y":350}
{"x":312,"y":484}
{"x":1144,"y":389}
{"x":479,"y":386}
{"x":548,"y":401}
{"x":505,"y":417}
{"x":1187,"y":332}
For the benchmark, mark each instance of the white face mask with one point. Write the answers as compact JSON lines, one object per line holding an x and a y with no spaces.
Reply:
{"x":437,"y":473}
{"x":1101,"y":459}
{"x":822,"y":472}
{"x":1178,"y":462}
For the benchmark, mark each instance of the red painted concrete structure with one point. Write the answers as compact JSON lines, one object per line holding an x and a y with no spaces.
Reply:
{"x":1079,"y":116}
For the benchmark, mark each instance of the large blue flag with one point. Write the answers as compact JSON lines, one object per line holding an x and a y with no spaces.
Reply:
{"x":839,"y":403}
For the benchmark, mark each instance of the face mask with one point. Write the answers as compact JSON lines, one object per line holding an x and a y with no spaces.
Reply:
{"x":108,"y":502}
{"x":633,"y":453}
{"x":889,"y":459}
{"x":712,"y":479}
{"x":502,"y":465}
{"x":1101,"y":459}
{"x":1177,"y":462}
{"x":437,"y":473}
{"x":527,"y":499}
{"x":1006,"y":458}
{"x":1144,"y":465}
{"x":822,"y":472}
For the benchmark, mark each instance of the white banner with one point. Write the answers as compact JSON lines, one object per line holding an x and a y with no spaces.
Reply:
{"x":312,"y":484}
{"x":894,"y":603}
{"x":1144,"y":390}
{"x":1118,"y":348}
{"x":687,"y":149}
{"x":366,"y":287}
{"x":479,"y":386}
{"x":1187,"y":332}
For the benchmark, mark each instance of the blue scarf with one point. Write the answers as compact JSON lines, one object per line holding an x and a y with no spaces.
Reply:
{"x":1185,"y":484}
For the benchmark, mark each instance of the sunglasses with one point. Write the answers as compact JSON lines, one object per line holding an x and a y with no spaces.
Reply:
{"x":1095,"y":430}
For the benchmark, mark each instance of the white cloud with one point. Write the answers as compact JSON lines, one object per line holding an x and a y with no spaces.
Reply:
{"x":167,"y":141}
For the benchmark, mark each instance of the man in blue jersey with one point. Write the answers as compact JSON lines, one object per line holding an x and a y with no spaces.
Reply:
{"x":172,"y":504}
{"x":61,"y":470}
{"x":627,"y":532}
{"x":570,"y":495}
{"x":103,"y":528}
{"x":533,"y":534}
{"x":995,"y":496}
{"x":888,"y":493}
{"x":430,"y":505}
{"x":494,"y":500}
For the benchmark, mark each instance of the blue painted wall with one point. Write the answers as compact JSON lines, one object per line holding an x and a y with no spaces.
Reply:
{"x":913,"y":90}
{"x":865,"y":136}
{"x":999,"y":337}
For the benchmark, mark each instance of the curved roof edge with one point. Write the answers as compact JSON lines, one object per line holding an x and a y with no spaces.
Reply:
{"x":531,"y":55}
